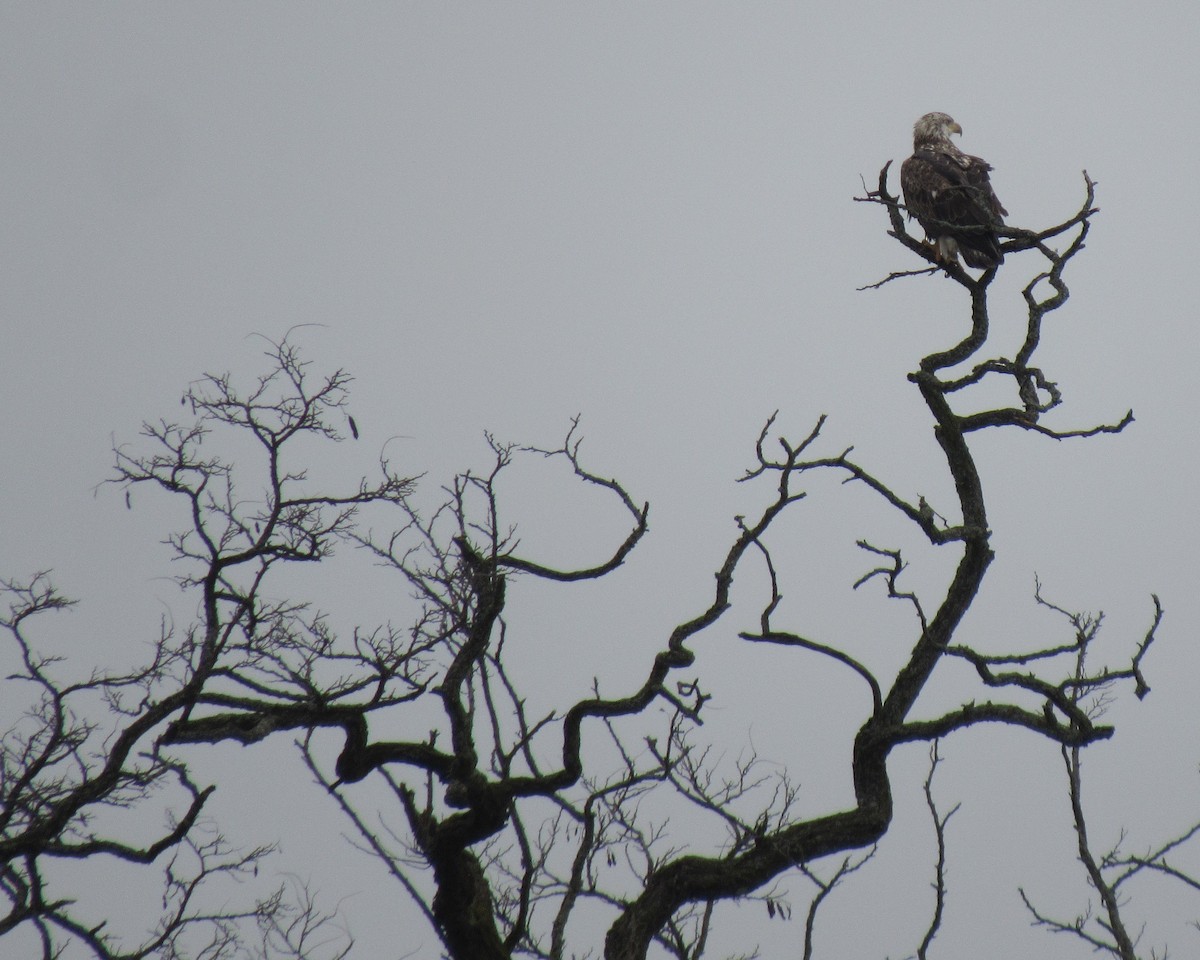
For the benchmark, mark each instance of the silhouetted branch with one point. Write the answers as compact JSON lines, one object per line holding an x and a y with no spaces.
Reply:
{"x":1107,"y":873}
{"x":939,"y":831}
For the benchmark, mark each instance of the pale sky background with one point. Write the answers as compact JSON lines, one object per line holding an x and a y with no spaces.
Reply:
{"x":502,"y":215}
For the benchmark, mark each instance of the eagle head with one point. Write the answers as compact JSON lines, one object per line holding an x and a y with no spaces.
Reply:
{"x":934,"y":128}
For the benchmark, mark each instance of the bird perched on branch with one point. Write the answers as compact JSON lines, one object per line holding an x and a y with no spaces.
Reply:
{"x":951,"y":195}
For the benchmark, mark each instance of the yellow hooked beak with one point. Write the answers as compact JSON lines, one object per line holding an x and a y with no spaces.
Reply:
{"x":954,"y":128}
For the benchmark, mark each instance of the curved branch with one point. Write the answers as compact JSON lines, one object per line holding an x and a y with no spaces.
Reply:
{"x":971,"y":714}
{"x":570,"y":450}
{"x":792,"y":640}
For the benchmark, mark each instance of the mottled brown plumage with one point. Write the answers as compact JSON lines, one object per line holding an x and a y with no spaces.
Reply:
{"x":951,"y":195}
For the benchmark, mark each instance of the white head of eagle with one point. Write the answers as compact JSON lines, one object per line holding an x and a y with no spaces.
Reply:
{"x":951,"y":195}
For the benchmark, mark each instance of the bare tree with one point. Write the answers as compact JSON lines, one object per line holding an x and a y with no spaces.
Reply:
{"x":508,"y":829}
{"x":84,"y":747}
{"x":61,"y":771}
{"x":1110,"y":874}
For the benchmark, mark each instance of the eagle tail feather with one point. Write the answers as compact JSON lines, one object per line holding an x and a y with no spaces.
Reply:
{"x":982,"y":254}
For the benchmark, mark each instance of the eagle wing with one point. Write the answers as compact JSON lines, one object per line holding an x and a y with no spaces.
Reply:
{"x":944,"y":191}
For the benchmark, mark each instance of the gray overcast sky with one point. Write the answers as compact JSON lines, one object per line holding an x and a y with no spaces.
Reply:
{"x":506,"y":214}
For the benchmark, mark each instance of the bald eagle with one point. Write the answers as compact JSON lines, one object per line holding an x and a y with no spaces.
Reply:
{"x":949,"y":193}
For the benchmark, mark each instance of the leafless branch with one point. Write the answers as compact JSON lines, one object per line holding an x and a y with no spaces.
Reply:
{"x":939,"y":830}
